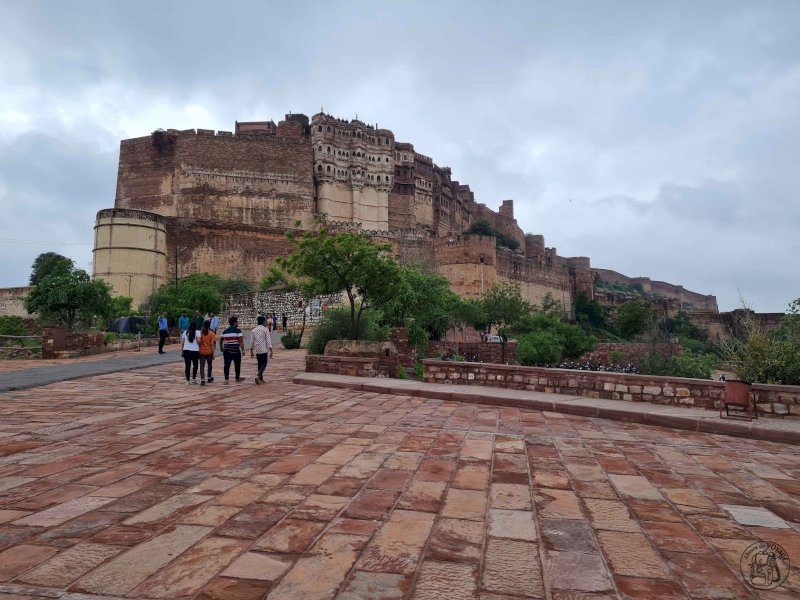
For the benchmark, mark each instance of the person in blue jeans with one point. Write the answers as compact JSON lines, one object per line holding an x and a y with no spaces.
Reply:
{"x":231,"y":342}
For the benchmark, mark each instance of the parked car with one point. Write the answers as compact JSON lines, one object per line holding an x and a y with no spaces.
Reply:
{"x":494,"y":339}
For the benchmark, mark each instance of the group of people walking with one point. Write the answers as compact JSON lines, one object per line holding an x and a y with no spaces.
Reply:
{"x":199,"y":339}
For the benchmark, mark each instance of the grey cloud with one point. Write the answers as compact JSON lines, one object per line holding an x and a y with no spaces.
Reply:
{"x":647,"y":135}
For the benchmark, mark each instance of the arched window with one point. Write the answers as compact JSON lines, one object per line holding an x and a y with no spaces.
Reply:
{"x":319,"y":168}
{"x":329,"y":128}
{"x":329,"y":149}
{"x":319,"y":148}
{"x":387,"y":178}
{"x":319,"y":128}
{"x":387,"y":159}
{"x":329,"y":168}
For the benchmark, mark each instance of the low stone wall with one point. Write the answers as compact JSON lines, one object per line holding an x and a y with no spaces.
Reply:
{"x":630,"y":352}
{"x":484,"y":352}
{"x":695,"y":393}
{"x":57,"y":342}
{"x":351,"y":365}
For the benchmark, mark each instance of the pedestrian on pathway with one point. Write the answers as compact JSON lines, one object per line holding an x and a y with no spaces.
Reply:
{"x":191,"y":352}
{"x":163,"y":331}
{"x":231,"y":342}
{"x":261,"y":347}
{"x":284,"y":321}
{"x":207,"y":339}
{"x":274,"y":322}
{"x":199,"y":320}
{"x":214,"y":322}
{"x":183,"y":323}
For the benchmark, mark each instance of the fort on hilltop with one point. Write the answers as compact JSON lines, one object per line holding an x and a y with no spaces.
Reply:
{"x":221,"y":202}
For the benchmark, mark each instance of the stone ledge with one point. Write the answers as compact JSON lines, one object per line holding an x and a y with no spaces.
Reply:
{"x":689,"y":419}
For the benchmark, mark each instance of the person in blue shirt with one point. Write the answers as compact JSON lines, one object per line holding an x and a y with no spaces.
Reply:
{"x":183,"y":323}
{"x":214,"y":323}
{"x":163,"y":331}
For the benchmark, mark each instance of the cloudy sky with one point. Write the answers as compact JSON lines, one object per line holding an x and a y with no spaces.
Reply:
{"x":661,"y":139}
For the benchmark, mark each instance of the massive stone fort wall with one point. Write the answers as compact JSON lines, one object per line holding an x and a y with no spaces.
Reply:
{"x":220,"y":202}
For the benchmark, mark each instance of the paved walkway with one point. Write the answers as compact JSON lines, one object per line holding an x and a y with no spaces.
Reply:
{"x":134,"y":485}
{"x":786,"y":430}
{"x":24,"y":374}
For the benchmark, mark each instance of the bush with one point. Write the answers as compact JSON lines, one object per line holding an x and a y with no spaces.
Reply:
{"x":696,"y":365}
{"x":539,"y":348}
{"x":335,"y":325}
{"x":419,"y":371}
{"x":401,"y":372}
{"x":15,"y":326}
{"x":571,"y":340}
{"x":290,"y":340}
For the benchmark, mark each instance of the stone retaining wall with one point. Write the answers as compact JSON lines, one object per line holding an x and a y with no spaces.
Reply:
{"x":483,"y":352}
{"x":352,"y":365}
{"x":247,"y":307}
{"x":630,"y":353}
{"x":695,"y":393}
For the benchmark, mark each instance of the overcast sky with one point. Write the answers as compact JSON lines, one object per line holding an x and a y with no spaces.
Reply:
{"x":661,"y":139}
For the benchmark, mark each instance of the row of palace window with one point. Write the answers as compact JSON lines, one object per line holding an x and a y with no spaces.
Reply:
{"x":358,"y":135}
{"x":355,"y":173}
{"x":346,"y":154}
{"x":405,"y":156}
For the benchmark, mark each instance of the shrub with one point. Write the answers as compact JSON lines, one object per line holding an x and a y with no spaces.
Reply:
{"x":539,"y":348}
{"x":290,"y":340}
{"x":419,"y":371}
{"x":336,"y":325}
{"x":401,"y":372}
{"x":697,"y":365}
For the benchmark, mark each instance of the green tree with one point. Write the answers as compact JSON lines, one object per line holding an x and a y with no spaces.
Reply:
{"x":69,"y":298}
{"x":539,"y":348}
{"x":634,"y":318}
{"x":200,"y":291}
{"x":49,"y":263}
{"x":590,"y":314}
{"x":348,"y":263}
{"x":570,"y":340}
{"x":121,"y":306}
{"x":425,"y":306}
{"x":504,"y":305}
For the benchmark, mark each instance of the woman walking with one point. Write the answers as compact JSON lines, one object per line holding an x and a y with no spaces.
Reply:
{"x":191,"y":351}
{"x":207,"y":339}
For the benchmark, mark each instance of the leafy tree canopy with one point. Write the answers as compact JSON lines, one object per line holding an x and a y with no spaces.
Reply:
{"x":49,"y":263}
{"x":634,"y":318}
{"x":590,"y":314}
{"x":348,"y":263}
{"x":425,"y":306}
{"x":70,"y":297}
{"x":201,"y":291}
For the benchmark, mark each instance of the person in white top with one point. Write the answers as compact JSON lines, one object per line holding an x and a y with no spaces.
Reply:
{"x":261,"y":346}
{"x":190,"y":340}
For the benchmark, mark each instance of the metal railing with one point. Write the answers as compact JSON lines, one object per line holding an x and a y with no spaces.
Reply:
{"x":20,"y":337}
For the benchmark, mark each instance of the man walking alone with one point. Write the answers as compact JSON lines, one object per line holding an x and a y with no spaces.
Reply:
{"x":261,"y":345}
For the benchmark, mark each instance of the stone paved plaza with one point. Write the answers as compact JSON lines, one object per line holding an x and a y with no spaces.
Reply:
{"x":135,"y":485}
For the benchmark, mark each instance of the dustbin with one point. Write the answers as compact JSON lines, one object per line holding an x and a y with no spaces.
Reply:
{"x":737,"y":395}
